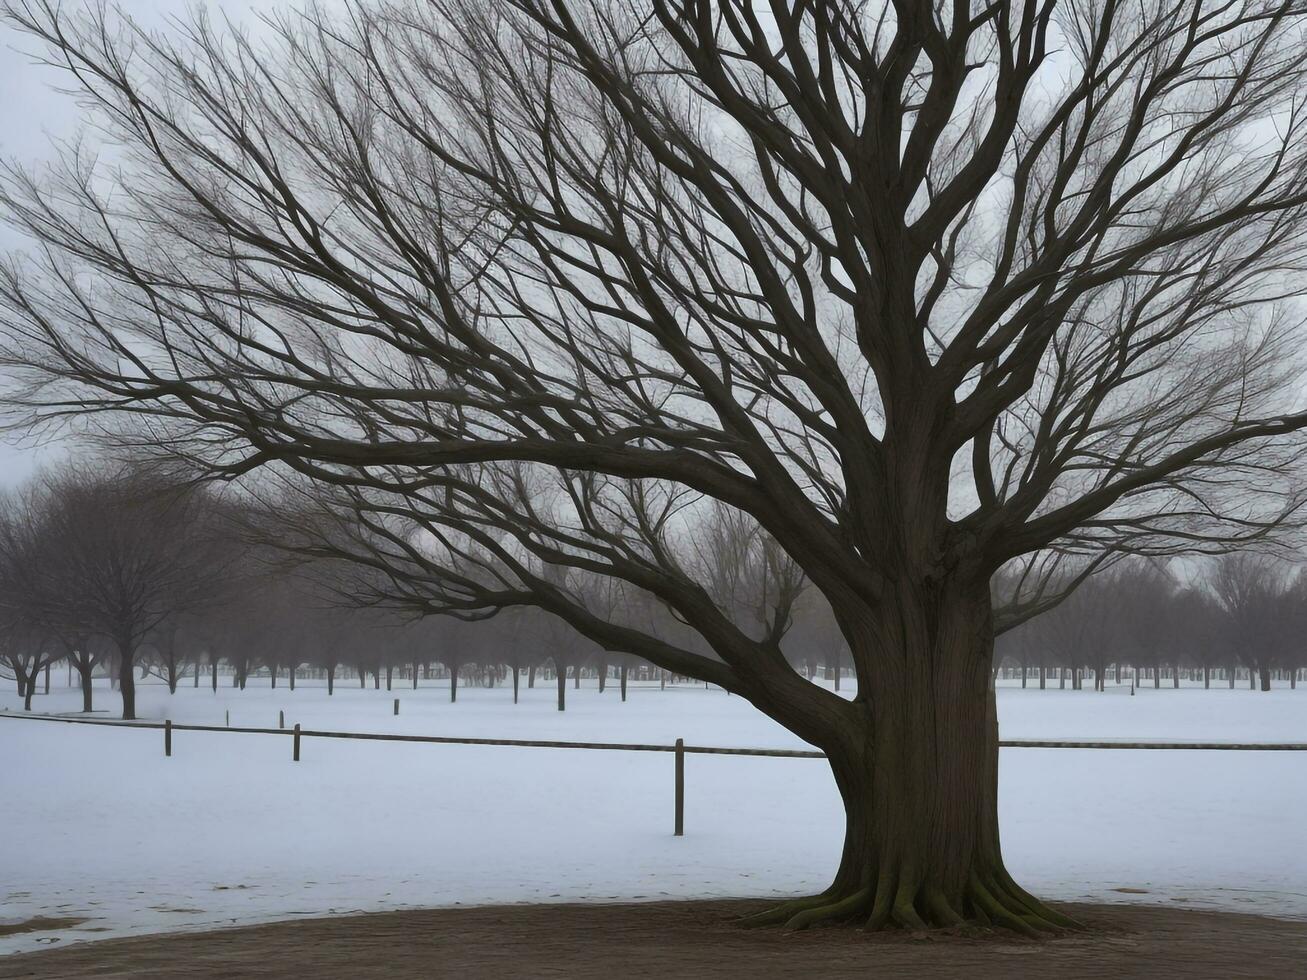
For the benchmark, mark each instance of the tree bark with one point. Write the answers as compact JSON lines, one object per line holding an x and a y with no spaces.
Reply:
{"x":1265,"y":674}
{"x":453,"y":683}
{"x":622,"y":670}
{"x":84,"y":669}
{"x":331,"y":679}
{"x":916,"y":764}
{"x":561,"y":675}
{"x":127,"y":678}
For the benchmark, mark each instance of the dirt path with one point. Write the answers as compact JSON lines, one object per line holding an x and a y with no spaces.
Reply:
{"x":680,"y":939}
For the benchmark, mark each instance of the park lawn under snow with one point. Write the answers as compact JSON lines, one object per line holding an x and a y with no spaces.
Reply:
{"x":96,"y":824}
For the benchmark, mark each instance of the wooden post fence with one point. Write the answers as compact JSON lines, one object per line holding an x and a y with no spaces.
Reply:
{"x":680,"y":788}
{"x":680,"y":749}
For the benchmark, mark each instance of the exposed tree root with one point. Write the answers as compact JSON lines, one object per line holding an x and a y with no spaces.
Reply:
{"x":845,"y":908}
{"x":780,"y":914}
{"x":989,"y":901}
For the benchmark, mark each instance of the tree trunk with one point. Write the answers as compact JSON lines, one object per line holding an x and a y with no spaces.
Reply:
{"x":1265,"y":674}
{"x":576,"y":677}
{"x":1207,"y":677}
{"x":622,"y":671}
{"x":213,"y":670}
{"x":415,"y":675}
{"x":561,"y":674}
{"x":453,"y":683}
{"x":84,"y":672}
{"x":390,"y":673}
{"x":29,"y":690}
{"x":531,"y":676}
{"x":127,"y":679}
{"x":331,"y":679}
{"x":376,"y":679}
{"x":916,"y":765}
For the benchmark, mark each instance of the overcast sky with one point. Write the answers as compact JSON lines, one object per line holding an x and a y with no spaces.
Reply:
{"x":32,"y":112}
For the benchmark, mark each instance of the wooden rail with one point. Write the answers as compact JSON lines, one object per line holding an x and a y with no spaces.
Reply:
{"x":1007,"y":743}
{"x":680,"y":748}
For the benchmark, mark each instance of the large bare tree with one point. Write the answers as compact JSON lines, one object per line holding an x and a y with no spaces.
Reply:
{"x":923,"y":290}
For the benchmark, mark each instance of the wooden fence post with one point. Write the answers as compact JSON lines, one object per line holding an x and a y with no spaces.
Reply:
{"x":680,"y":788}
{"x":167,"y":738}
{"x":296,"y":737}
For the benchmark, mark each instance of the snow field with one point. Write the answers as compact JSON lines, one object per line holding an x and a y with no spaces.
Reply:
{"x":97,"y":824}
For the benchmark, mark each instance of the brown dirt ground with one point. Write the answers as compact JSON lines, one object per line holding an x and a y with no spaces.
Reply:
{"x":682,"y":939}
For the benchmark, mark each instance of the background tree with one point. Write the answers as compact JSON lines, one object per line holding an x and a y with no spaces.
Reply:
{"x":126,"y":550}
{"x":1258,"y":597}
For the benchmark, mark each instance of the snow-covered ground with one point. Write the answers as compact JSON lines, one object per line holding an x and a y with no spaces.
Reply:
{"x":96,"y":824}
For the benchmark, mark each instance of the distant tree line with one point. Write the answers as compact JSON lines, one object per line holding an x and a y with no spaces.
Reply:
{"x":1240,"y":611}
{"x":139,"y":573}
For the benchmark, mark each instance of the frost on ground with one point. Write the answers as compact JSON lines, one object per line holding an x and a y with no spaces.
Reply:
{"x":98,"y":825}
